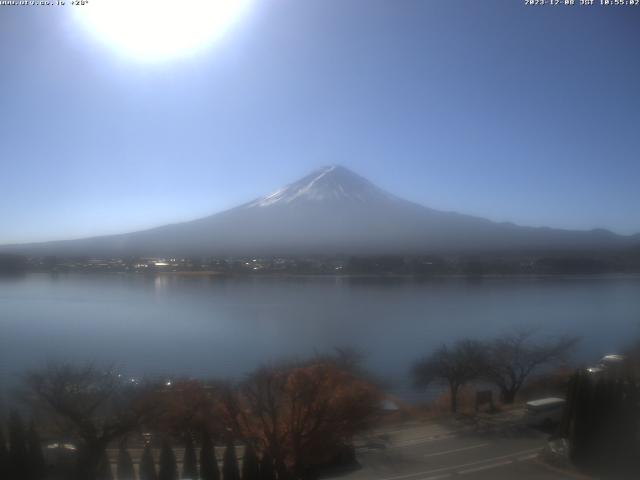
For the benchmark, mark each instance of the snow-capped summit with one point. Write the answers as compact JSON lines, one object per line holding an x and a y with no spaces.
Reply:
{"x":332,"y":183}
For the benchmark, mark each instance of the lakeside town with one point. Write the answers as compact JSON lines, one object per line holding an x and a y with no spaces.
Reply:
{"x":417,"y":265}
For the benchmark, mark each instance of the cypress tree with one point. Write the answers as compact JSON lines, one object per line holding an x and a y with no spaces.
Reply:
{"x":37,"y":468}
{"x":623,"y":428}
{"x":4,"y":455}
{"x":281,"y":469}
{"x":599,"y":420}
{"x":581,"y":416}
{"x":147,"y":465}
{"x":208,"y":461}
{"x":266,"y":467}
{"x":125,"y":464}
{"x":168,"y":466}
{"x":250,"y":466}
{"x":18,"y":454}
{"x":634,"y":445}
{"x":189,"y":461}
{"x":230,"y":470}
{"x":104,"y":469}
{"x":565,"y":429}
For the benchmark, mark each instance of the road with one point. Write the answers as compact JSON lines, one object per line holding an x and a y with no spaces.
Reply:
{"x":434,"y":452}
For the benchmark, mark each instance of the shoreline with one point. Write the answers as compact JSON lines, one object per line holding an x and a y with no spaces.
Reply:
{"x":399,"y":276}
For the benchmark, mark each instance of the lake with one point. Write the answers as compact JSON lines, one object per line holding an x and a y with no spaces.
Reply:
{"x":224,"y":327}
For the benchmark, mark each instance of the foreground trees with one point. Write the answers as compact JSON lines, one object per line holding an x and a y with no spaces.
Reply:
{"x":94,"y":406}
{"x":293,"y":419}
{"x":301,"y":416}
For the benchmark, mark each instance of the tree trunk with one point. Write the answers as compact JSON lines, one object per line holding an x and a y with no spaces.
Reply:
{"x":454,"y":398}
{"x":89,"y":458}
{"x":507,"y":396}
{"x":281,"y":470}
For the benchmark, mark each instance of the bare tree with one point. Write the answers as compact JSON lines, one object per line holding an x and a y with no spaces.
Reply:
{"x":514,"y":357}
{"x":302,"y":416}
{"x":91,"y":405}
{"x":253,"y":411}
{"x":454,"y":366}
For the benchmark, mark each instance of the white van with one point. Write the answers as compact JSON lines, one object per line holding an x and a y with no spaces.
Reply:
{"x":544,"y":412}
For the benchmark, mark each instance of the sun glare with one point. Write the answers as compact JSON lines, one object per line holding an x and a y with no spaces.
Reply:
{"x":159,"y":29}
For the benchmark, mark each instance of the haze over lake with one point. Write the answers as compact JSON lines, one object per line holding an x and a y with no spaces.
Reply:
{"x":221,"y":327}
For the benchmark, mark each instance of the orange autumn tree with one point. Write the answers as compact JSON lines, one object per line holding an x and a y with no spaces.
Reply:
{"x":188,"y":407}
{"x":304,"y":417}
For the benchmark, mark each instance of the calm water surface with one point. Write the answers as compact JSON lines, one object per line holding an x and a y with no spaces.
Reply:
{"x":225,"y":327}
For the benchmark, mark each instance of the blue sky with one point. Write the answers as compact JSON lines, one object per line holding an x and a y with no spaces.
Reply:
{"x":513,"y":113}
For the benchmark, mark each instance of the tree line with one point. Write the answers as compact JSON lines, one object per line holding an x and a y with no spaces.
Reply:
{"x":22,"y":458}
{"x":291,"y":420}
{"x":505,"y":362}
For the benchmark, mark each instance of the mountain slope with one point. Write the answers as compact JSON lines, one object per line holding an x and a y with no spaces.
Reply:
{"x":333,"y":211}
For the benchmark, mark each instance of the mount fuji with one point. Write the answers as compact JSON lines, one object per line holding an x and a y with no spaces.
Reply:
{"x":333,"y":211}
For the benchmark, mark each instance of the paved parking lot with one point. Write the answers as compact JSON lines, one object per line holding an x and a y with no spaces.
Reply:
{"x":484,"y":450}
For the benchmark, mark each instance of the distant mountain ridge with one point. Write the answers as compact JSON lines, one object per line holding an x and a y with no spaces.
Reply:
{"x":333,"y":211}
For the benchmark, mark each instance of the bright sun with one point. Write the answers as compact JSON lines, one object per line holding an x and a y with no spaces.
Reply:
{"x":159,"y":29}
